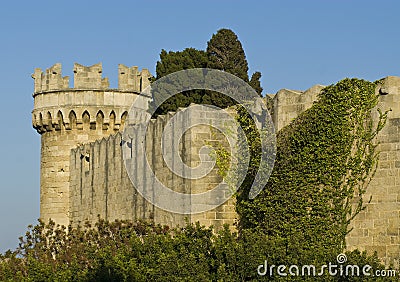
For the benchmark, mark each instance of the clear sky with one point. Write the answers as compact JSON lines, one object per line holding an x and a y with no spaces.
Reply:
{"x":295,"y":44}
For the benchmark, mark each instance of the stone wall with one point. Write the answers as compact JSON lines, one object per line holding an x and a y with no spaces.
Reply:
{"x":288,"y":104}
{"x":100,"y":185}
{"x":377,"y":227}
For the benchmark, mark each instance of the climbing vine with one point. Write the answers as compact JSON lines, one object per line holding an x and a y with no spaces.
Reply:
{"x":325,"y":160}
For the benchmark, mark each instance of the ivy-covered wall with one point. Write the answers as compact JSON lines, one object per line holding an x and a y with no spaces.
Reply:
{"x":377,"y":227}
{"x":374,"y":229}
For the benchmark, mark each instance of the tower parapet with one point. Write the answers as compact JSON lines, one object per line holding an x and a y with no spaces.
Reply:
{"x":89,"y":77}
{"x":130,"y":78}
{"x":66,"y":117}
{"x":50,"y":80}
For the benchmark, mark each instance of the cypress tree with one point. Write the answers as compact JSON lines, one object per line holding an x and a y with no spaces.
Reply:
{"x":225,"y":52}
{"x":256,"y":83}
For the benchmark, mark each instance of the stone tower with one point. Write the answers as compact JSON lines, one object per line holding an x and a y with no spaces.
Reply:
{"x":67,"y":117}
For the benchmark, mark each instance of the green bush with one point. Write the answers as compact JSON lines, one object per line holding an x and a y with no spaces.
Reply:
{"x":126,"y":251}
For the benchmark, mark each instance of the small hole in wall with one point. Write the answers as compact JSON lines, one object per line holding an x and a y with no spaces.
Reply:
{"x":86,"y":156}
{"x":86,"y":163}
{"x":383,"y":92}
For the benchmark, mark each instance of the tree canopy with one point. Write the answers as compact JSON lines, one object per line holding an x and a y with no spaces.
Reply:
{"x":171,"y":62}
{"x":181,"y":60}
{"x":256,"y":83}
{"x":224,"y":52}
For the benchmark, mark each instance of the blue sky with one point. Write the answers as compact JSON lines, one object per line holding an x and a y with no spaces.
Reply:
{"x":295,"y":44}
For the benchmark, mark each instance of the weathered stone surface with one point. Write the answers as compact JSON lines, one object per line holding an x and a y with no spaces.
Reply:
{"x":100,"y":185}
{"x":288,"y":104}
{"x":380,"y":221}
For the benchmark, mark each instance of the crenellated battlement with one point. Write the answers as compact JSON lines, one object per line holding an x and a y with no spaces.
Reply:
{"x":90,"y":77}
{"x":50,"y":80}
{"x":131,"y":78}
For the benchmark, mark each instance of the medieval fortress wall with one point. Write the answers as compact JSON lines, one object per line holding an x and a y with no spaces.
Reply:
{"x":101,"y":186}
{"x":377,"y":227}
{"x":83,"y":174}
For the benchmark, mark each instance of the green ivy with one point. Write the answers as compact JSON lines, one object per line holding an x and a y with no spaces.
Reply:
{"x":325,"y":160}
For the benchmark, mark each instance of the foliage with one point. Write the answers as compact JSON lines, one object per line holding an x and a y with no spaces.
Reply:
{"x":124,"y":251}
{"x":118,"y":251}
{"x":325,"y":159}
{"x":171,"y":62}
{"x":256,"y":83}
{"x":224,"y":52}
